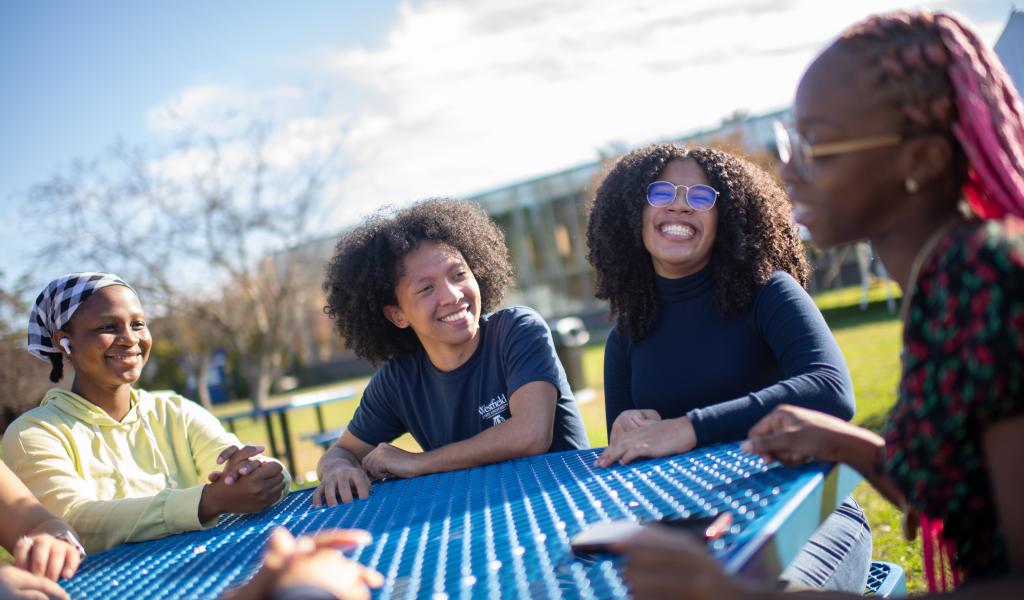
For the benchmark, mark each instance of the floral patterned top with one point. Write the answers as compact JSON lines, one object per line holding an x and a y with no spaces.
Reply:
{"x":963,"y":369}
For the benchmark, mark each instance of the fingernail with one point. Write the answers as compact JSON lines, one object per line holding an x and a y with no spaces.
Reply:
{"x":746,"y":446}
{"x":229,"y":480}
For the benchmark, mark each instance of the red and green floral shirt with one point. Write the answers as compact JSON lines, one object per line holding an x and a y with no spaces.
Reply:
{"x":963,"y":369}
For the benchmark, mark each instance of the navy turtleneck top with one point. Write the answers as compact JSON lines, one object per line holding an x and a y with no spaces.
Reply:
{"x":725,"y":373}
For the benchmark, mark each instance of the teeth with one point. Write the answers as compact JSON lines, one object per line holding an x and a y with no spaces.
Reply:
{"x":455,"y":317}
{"x":678,"y":229}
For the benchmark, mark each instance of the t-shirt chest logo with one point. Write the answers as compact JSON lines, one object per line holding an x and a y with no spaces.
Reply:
{"x":495,"y":410}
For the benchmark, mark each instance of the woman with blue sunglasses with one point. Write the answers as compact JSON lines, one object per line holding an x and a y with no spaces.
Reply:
{"x":698,"y":255}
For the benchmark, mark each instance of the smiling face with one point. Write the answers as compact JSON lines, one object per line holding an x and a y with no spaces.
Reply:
{"x":109,"y":340}
{"x":678,"y":238}
{"x":438,"y":297}
{"x":854,"y":195}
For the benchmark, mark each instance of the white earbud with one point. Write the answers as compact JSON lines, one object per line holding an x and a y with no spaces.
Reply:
{"x":66,"y":344}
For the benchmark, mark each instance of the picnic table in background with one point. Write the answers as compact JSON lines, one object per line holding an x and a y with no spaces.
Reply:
{"x":501,"y":530}
{"x":286,"y":449}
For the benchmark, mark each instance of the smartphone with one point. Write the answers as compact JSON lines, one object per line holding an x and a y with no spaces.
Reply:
{"x":707,"y":528}
{"x":600,"y":537}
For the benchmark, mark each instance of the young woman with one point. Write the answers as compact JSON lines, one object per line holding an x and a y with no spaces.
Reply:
{"x":44,"y":547}
{"x":413,"y":289}
{"x":119,"y":463}
{"x":698,"y":255}
{"x":897,"y":123}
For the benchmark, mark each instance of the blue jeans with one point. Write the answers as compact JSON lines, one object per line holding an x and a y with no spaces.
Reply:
{"x":838,"y":555}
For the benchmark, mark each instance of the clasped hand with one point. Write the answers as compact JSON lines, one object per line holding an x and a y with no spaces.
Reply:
{"x":249,"y":482}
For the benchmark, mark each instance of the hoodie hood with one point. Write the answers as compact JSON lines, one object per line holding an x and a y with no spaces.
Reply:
{"x":78,"y":407}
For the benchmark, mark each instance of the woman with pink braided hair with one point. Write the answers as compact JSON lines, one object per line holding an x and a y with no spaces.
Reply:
{"x":909,"y":133}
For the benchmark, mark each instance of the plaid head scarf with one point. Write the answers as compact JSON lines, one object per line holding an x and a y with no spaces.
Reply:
{"x":57,"y":303}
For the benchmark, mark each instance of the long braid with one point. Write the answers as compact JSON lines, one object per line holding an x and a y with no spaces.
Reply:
{"x":991,"y":131}
{"x":944,"y":79}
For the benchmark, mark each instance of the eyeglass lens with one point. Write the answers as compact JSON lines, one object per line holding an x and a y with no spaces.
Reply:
{"x":698,"y":197}
{"x":792,"y":148}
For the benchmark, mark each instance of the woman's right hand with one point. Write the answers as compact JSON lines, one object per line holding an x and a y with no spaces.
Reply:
{"x":628,"y":420}
{"x":16,"y":584}
{"x":794,"y":435}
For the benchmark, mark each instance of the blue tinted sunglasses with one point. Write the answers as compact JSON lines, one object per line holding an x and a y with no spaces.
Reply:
{"x":698,"y":196}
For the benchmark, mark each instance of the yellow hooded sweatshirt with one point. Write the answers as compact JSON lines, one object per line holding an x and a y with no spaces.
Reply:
{"x":129,"y":481}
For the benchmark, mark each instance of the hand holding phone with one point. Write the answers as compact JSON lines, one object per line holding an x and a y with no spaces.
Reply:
{"x":600,"y":537}
{"x":605,"y":534}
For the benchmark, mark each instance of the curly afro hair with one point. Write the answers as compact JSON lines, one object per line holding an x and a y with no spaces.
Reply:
{"x":361,"y":277}
{"x":756,"y":234}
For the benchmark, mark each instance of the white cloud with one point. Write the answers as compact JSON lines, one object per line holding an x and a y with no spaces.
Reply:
{"x":221,"y":109}
{"x":462,"y":95}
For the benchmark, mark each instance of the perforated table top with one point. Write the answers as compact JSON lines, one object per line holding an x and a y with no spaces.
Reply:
{"x":501,"y":530}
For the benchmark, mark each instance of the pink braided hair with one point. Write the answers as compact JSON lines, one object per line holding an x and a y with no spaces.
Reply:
{"x":943,"y":65}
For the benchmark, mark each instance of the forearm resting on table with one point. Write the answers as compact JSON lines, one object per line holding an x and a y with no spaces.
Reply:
{"x":514,"y":438}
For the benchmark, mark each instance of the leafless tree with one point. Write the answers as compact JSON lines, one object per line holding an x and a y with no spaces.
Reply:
{"x":204,"y":232}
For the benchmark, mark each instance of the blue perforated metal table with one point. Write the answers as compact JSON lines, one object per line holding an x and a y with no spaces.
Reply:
{"x":501,"y":530}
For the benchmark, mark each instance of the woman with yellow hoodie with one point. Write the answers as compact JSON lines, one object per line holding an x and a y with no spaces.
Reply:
{"x":118,"y":463}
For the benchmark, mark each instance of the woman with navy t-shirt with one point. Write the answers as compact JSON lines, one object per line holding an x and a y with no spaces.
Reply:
{"x":701,"y":262}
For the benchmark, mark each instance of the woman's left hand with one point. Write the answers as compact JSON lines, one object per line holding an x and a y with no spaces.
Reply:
{"x":664,"y":563}
{"x":660,"y":438}
{"x":43,"y":554}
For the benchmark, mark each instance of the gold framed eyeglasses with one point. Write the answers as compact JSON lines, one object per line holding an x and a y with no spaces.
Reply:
{"x":796,"y":150}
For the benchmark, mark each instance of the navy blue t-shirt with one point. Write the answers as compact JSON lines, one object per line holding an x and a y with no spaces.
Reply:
{"x":409,"y":394}
{"x":725,"y":373}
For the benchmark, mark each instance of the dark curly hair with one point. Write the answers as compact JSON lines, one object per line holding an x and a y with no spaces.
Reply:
{"x":756,"y":234}
{"x":361,"y":277}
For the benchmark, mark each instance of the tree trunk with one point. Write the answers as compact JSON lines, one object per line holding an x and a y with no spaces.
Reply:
{"x":202,"y":375}
{"x":260,"y":375}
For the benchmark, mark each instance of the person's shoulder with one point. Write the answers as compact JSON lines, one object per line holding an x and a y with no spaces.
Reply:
{"x":395,"y":373}
{"x":781,"y":288}
{"x":516,"y":314}
{"x":990,"y":249}
{"x":37,"y":423}
{"x":46,"y":412}
{"x":514,"y":319}
{"x":163,"y":400}
{"x":33,"y":418}
{"x":781,"y":280}
{"x":168,"y":405}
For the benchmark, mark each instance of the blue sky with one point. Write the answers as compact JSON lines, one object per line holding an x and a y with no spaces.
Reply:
{"x":433,"y":97}
{"x":76,"y":75}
